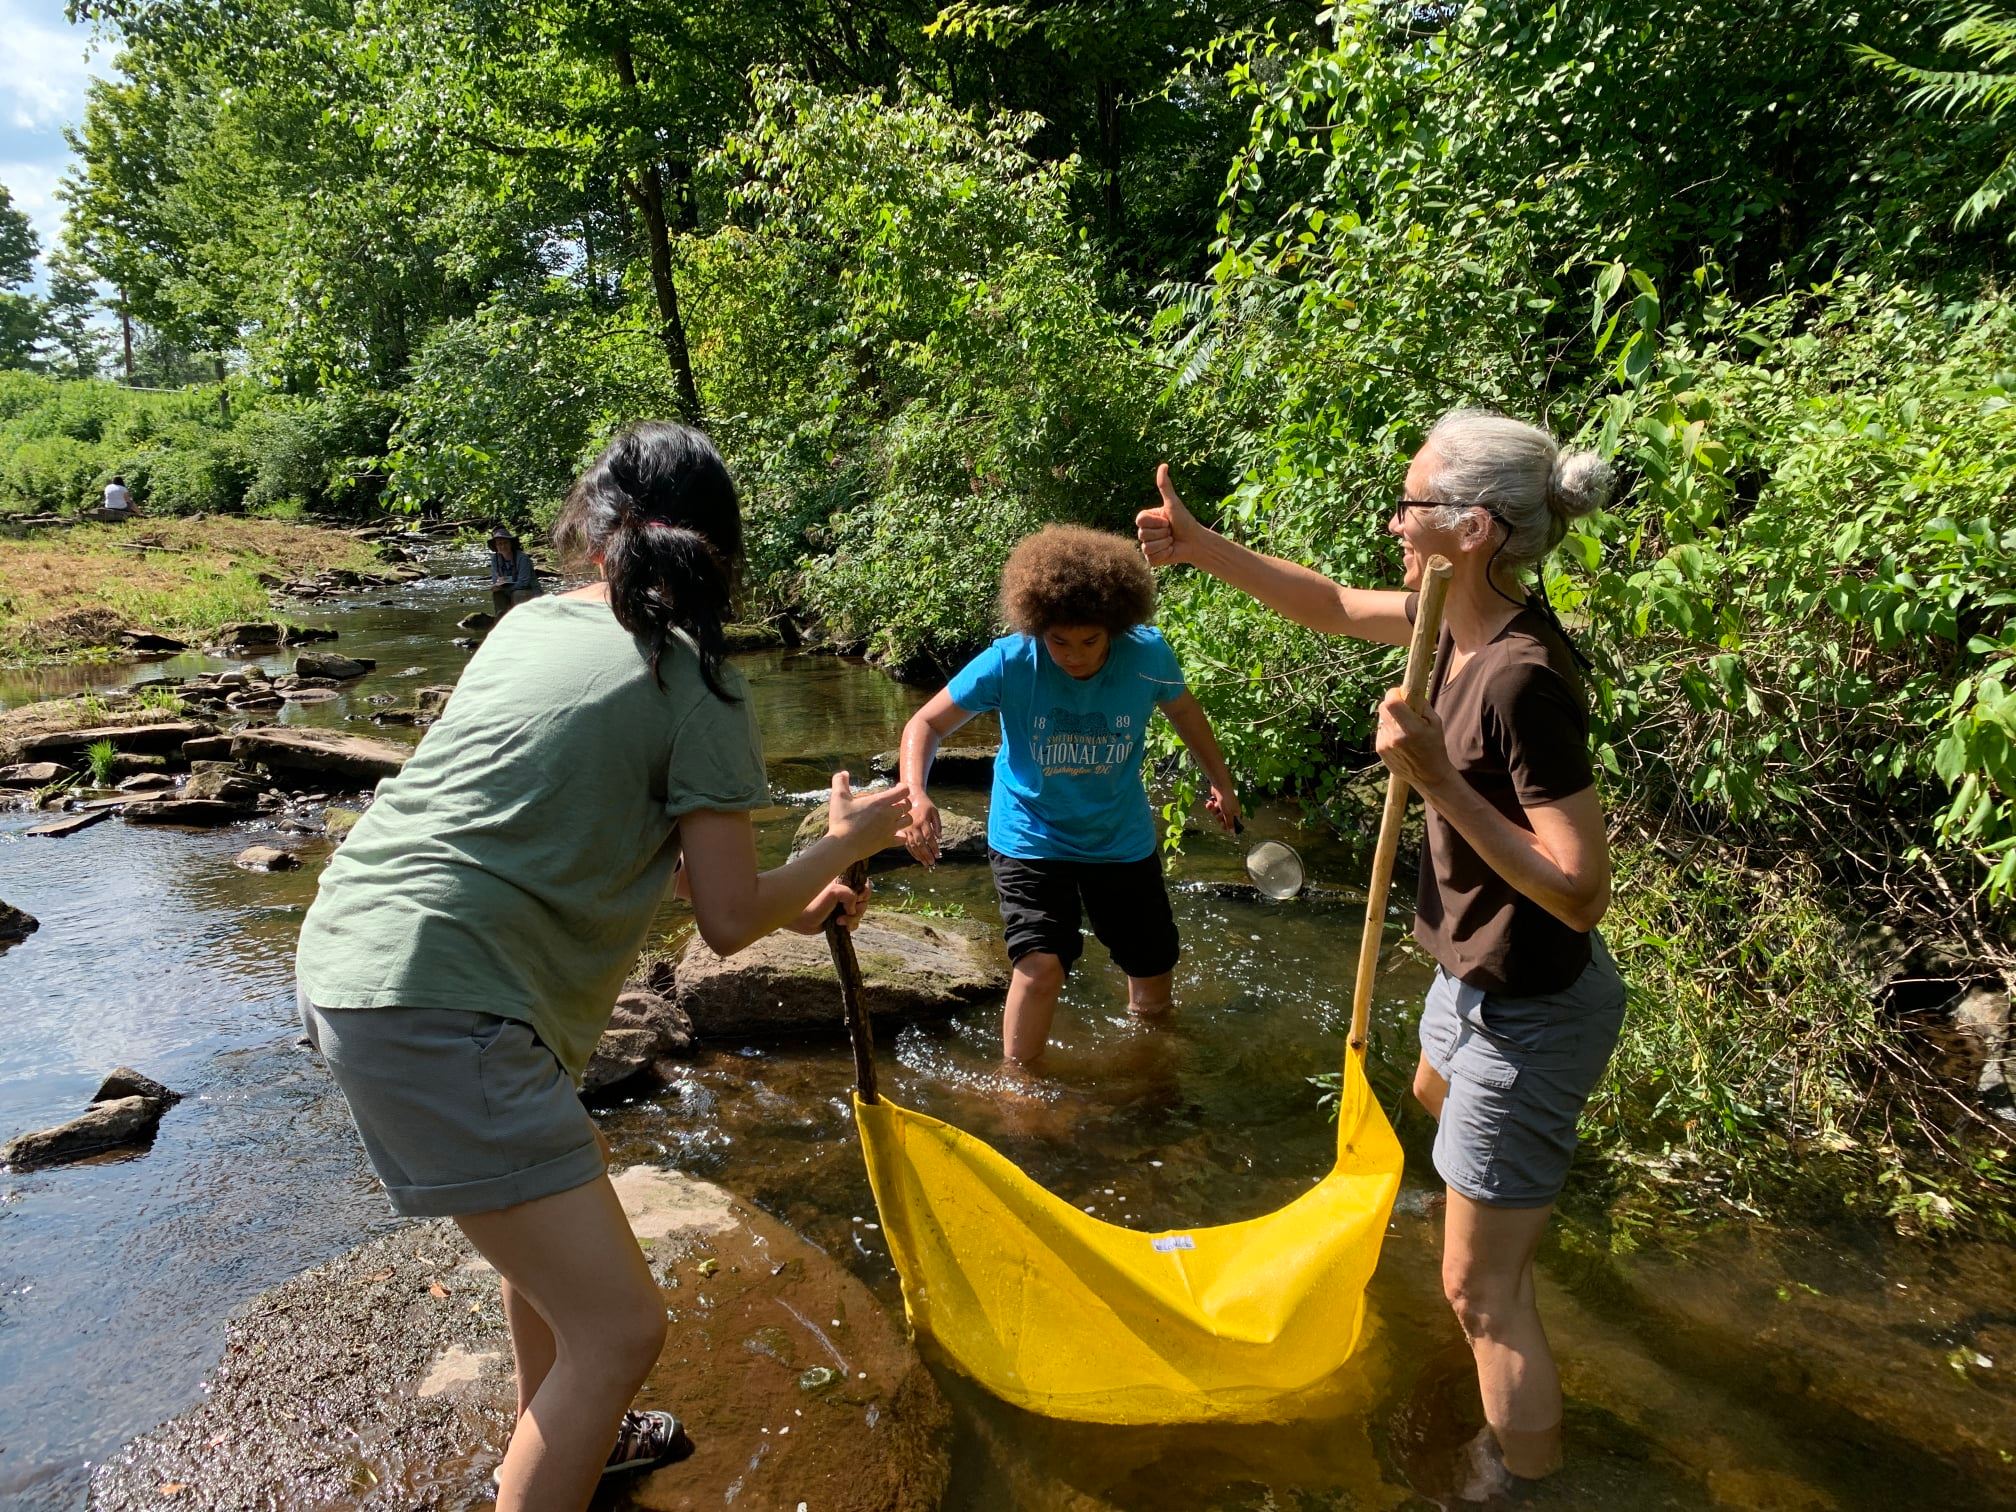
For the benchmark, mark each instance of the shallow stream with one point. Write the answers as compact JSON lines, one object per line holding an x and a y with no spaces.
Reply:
{"x":1749,"y":1367}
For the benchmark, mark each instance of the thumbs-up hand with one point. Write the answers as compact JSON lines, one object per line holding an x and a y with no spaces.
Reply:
{"x":1169,"y":533}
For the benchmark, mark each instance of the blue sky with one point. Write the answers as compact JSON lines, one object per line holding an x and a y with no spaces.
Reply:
{"x":43,"y":72}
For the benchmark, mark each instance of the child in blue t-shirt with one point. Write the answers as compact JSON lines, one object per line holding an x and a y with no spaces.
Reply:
{"x":1075,"y":682}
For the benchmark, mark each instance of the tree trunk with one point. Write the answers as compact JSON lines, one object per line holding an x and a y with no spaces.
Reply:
{"x":1109,"y":153}
{"x":646,"y":187}
{"x":223,"y":394}
{"x":126,"y":332}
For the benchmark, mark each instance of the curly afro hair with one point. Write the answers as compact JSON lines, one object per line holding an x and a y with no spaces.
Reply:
{"x":1071,"y":575}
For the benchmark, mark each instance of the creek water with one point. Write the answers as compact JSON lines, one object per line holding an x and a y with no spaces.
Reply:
{"x":1749,"y":1366}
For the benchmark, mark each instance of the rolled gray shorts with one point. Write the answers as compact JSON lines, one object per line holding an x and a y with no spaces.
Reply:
{"x":1519,"y":1071}
{"x":459,"y":1112}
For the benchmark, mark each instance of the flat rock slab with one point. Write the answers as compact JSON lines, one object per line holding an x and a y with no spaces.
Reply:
{"x":783,"y":986}
{"x":56,"y":829}
{"x":168,"y":735}
{"x":959,"y":839}
{"x":329,"y":664}
{"x":193,"y":813}
{"x":382,"y":1380}
{"x":355,"y":759}
{"x":30,"y":774}
{"x":267,"y":858}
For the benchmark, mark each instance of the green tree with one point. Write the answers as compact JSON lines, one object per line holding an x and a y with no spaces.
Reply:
{"x":20,"y":312}
{"x":1987,"y":34}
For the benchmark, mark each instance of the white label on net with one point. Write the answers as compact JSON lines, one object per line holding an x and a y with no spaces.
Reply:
{"x":1170,"y":1242}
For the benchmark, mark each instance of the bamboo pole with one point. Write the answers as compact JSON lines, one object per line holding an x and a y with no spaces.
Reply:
{"x":1414,"y":687}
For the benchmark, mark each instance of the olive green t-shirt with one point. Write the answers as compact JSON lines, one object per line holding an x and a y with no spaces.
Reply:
{"x":514,"y":865}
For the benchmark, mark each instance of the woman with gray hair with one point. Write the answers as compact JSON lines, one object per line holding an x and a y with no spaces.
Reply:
{"x":1526,"y":1003}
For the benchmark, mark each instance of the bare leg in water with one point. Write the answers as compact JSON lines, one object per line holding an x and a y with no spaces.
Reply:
{"x":1487,"y":1276}
{"x":593,"y":1324}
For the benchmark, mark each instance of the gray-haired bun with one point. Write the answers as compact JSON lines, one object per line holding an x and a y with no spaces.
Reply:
{"x":1580,"y":484}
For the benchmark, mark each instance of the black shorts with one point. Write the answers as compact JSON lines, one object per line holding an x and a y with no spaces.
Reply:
{"x":1126,"y":901}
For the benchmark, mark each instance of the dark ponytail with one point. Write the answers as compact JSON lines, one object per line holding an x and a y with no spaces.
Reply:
{"x":658,"y":511}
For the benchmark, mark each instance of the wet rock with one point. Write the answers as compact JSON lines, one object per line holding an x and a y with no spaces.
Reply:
{"x":390,"y":1367}
{"x":16,"y":925}
{"x":207,"y":748}
{"x":162,"y":737}
{"x":400,"y":718}
{"x":338,"y":823}
{"x":964,"y":766}
{"x":267,"y":858}
{"x":432,"y":700}
{"x":110,"y":1125}
{"x":783,"y":985}
{"x":56,"y":829}
{"x":464,"y":642}
{"x":646,"y":1031}
{"x":309,"y":695}
{"x":302,"y":635}
{"x":30,"y":774}
{"x":753,"y":637}
{"x":477,"y":621}
{"x":246,"y":636}
{"x":124,"y":1081}
{"x":328,"y":664}
{"x":193,"y":813}
{"x":327,"y":754}
{"x":146,"y":782}
{"x":147,"y":640}
{"x":224,"y":781}
{"x":962,"y":839}
{"x":124,"y":765}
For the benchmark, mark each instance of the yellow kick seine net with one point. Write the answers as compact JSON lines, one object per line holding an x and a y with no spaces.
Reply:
{"x":1060,"y":1313}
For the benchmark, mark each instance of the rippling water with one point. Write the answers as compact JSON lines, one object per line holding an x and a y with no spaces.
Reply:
{"x":1757,"y":1368}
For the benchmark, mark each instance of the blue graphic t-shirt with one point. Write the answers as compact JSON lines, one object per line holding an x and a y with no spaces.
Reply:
{"x":1067,"y":784}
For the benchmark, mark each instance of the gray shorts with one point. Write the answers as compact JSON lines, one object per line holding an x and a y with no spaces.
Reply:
{"x":1519,"y":1071}
{"x":459,"y":1112}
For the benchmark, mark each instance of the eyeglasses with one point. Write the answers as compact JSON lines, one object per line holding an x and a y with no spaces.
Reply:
{"x":1401,"y":507}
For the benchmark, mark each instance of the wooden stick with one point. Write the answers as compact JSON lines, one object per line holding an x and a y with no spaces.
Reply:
{"x":1420,"y":666}
{"x":841,"y":943}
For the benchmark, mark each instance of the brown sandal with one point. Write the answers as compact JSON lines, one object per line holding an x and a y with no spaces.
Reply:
{"x":645,"y":1440}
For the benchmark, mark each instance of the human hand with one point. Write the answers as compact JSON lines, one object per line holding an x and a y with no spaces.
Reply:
{"x":1169,"y":533}
{"x":926,"y":830}
{"x":1224,"y":806}
{"x":837,"y":903}
{"x":1412,"y":745}
{"x":867,"y":822}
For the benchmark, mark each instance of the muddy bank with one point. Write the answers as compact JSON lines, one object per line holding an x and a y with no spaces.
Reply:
{"x":382,"y":1380}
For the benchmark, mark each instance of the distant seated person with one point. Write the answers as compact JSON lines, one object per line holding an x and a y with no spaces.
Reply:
{"x":512,"y":576}
{"x":118,"y":503}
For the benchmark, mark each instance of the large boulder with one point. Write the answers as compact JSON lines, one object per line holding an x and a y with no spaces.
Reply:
{"x":224,"y":781}
{"x":148,"y":640}
{"x":241,"y":635}
{"x":783,"y":986}
{"x":960,"y":839}
{"x":390,"y":1367}
{"x":266,"y":858}
{"x":329,"y":664}
{"x":961,"y":766}
{"x":353,"y":759}
{"x":752,"y":637}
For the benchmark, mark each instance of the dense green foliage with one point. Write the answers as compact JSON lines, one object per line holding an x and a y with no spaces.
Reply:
{"x":934,"y":275}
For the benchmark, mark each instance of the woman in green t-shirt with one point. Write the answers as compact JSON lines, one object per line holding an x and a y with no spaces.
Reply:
{"x":467,"y":943}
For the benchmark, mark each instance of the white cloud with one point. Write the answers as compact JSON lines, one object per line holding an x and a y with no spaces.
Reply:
{"x":43,"y":67}
{"x":33,"y":188}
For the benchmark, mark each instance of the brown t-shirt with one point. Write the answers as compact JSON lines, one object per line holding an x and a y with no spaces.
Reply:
{"x":1518,"y":732}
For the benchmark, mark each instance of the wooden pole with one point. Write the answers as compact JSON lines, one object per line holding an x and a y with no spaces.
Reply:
{"x":1420,"y":666}
{"x":841,"y":943}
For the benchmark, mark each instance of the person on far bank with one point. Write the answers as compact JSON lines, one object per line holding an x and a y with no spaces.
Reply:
{"x":513,"y":576}
{"x":118,"y":503}
{"x":464,"y":951}
{"x":1075,"y":682}
{"x":1526,"y":1004}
